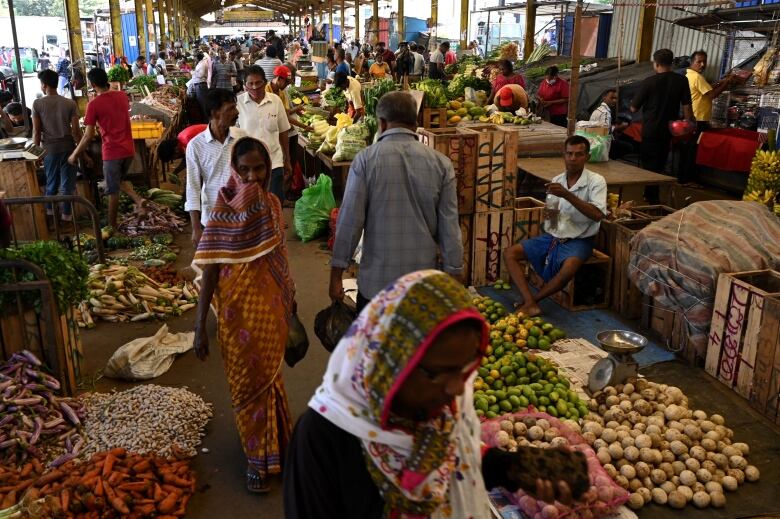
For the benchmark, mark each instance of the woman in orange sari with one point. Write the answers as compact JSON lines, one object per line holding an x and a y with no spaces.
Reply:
{"x":246,"y":276}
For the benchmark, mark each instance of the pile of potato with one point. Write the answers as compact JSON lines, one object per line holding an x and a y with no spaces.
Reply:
{"x":654,"y":446}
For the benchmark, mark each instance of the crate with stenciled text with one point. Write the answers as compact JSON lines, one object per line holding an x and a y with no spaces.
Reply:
{"x":765,"y":394}
{"x":461,"y":148}
{"x":496,"y":184}
{"x":528,"y":218}
{"x":492,"y":233}
{"x":467,"y":235}
{"x":737,"y":318}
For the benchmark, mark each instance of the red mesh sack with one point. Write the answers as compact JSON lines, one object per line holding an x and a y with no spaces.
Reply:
{"x":604,"y":495}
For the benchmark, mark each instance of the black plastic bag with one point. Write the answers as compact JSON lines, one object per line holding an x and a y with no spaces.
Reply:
{"x":297,"y":342}
{"x":332,"y":323}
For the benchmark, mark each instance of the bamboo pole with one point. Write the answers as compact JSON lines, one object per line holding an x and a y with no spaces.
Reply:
{"x":330,"y":22}
{"x":530,"y":28}
{"x":574,"y":82}
{"x":399,"y":24}
{"x":169,"y":14}
{"x":357,"y":22}
{"x":376,"y":22}
{"x":464,"y":24}
{"x":150,"y":30}
{"x":116,"y":28}
{"x":434,"y":24}
{"x":139,"y":25}
{"x":73,"y":21}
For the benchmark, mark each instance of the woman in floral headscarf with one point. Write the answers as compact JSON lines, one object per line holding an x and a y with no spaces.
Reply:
{"x":392,"y":431}
{"x":246,"y":276}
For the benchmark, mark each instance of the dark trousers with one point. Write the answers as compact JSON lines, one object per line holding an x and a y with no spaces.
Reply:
{"x":560,"y":120}
{"x":653,"y":156}
{"x":362,"y":302}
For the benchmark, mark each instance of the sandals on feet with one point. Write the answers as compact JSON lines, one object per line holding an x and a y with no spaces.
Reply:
{"x":256,"y":483}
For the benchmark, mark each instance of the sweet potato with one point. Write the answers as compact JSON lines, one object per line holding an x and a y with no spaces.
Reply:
{"x":167,"y":505}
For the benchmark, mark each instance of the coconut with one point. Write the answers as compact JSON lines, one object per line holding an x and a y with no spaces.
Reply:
{"x":709,"y":445}
{"x":535,"y":432}
{"x":678,"y":447}
{"x":704,"y":475}
{"x":699,"y":453}
{"x":737,"y":474}
{"x":609,"y":435}
{"x":628,"y":471}
{"x":668,"y":487}
{"x":502,"y":439}
{"x":611,"y":470}
{"x":713,"y":486}
{"x":631,"y":453}
{"x":520,"y":429}
{"x":686,"y":491}
{"x":634,"y":485}
{"x":616,"y":451}
{"x":604,"y":456}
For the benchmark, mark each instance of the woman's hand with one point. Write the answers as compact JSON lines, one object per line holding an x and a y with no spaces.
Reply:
{"x":201,"y":342}
{"x":549,"y":492}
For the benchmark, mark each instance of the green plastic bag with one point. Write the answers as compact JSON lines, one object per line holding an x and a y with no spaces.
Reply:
{"x":312,"y":210}
{"x":599,"y":145}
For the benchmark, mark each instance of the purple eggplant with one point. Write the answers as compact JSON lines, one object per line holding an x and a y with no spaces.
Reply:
{"x":54,"y":423}
{"x":32,"y":400}
{"x":6,"y":419}
{"x":9,"y":443}
{"x":70,"y":414}
{"x":37,"y":431}
{"x":28,"y":356}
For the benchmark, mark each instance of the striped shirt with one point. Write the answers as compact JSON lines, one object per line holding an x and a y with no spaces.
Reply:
{"x":400,"y":195}
{"x":222,"y":74}
{"x":208,"y":169}
{"x":268,"y":65}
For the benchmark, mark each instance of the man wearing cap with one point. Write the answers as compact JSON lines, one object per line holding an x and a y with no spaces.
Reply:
{"x":510,"y":98}
{"x":282,"y":79}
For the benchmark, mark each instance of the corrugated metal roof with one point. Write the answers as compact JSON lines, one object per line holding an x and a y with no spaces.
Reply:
{"x":681,"y":41}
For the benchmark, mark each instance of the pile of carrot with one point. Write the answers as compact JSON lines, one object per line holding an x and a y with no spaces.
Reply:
{"x":113,"y":483}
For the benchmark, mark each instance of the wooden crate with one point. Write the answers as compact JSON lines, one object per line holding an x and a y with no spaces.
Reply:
{"x":433,"y":118}
{"x":492,"y":233}
{"x":651,"y":211}
{"x":765,"y":395}
{"x":18,"y":179}
{"x":626,"y":297}
{"x":461,"y":148}
{"x":467,"y":235}
{"x":539,"y":140}
{"x":579,"y":294}
{"x":737,"y":318}
{"x":670,"y":328}
{"x":528,"y":218}
{"x":496,"y":185}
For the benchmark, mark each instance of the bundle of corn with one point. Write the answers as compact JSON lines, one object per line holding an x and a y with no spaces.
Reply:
{"x":763,"y":184}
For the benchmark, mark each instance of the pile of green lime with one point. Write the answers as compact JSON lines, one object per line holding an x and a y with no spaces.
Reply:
{"x":491,"y":310}
{"x":501,"y":285}
{"x":512,"y":382}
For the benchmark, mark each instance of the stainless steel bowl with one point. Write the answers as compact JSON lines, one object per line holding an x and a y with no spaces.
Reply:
{"x":13,"y":143}
{"x":621,"y":341}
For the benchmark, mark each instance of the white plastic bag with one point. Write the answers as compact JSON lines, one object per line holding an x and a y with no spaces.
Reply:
{"x":148,"y":357}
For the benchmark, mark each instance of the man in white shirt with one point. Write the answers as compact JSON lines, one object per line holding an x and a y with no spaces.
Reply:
{"x":437,"y":61}
{"x":603,"y":116}
{"x":556,"y":256}
{"x":419,"y":61}
{"x":262,"y":115}
{"x":162,"y":67}
{"x":139,"y":66}
{"x":208,"y":159}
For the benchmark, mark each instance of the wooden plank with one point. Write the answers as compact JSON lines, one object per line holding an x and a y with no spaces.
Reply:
{"x":528,"y":218}
{"x":492,"y":234}
{"x":510,"y":166}
{"x":626,"y":297}
{"x":467,"y":237}
{"x":717,"y":325}
{"x":615,"y":173}
{"x":651,"y":211}
{"x":750,"y":346}
{"x":490,"y":167}
{"x":765,"y":394}
{"x":18,"y":179}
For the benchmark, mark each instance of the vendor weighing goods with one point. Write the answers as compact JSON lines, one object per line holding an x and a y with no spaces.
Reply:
{"x":19,"y":148}
{"x":620,"y":364}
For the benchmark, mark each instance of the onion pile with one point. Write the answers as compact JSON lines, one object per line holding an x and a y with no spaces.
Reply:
{"x":653,"y":445}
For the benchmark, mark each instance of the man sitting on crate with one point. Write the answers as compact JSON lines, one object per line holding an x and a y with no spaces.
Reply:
{"x":576,"y":203}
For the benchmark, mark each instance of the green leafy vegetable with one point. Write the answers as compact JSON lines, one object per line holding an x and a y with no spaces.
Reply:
{"x":118,"y":73}
{"x":435,"y":93}
{"x":66,"y":270}
{"x":150,"y":82}
{"x":373,"y":93}
{"x":335,"y":97}
{"x":460,"y":82}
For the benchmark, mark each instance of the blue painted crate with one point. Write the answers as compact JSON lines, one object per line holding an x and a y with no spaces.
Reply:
{"x":750,"y":3}
{"x":768,"y":2}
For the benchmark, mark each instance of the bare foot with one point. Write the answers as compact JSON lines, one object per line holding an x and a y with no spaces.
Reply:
{"x":530,"y":309}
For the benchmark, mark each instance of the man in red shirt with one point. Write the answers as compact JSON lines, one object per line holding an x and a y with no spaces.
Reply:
{"x":111,"y":111}
{"x":553,"y":95}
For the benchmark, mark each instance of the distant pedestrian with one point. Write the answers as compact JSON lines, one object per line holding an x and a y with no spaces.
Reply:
{"x":64,"y":72}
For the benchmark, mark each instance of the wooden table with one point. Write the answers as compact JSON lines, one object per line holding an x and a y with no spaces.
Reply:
{"x":617,"y":174}
{"x":338,"y":169}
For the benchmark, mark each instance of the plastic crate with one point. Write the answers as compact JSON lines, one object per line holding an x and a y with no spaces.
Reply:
{"x":769,"y":2}
{"x":146,"y":129}
{"x":752,"y":3}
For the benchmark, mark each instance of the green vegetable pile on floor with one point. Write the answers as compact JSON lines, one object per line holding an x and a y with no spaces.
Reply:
{"x":66,"y":270}
{"x":164,"y":197}
{"x":153,"y":251}
{"x":435,"y":93}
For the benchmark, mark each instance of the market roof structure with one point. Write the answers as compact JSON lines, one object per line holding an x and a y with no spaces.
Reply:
{"x":761,"y":19}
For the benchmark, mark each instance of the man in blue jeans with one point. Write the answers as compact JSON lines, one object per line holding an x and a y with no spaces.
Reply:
{"x":581,"y":199}
{"x":55,"y":123}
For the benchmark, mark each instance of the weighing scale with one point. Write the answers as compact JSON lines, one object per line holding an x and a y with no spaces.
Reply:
{"x":17,"y":148}
{"x":620,"y":364}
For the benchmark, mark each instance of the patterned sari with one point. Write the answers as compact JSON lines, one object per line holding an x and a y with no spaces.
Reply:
{"x":254,"y":299}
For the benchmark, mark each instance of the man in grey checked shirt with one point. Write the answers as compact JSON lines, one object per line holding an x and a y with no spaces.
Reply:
{"x":401,"y":195}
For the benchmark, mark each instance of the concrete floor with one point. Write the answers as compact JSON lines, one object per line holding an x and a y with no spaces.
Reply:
{"x":221,"y":471}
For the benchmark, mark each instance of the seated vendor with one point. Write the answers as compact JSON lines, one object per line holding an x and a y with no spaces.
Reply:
{"x":15,"y":112}
{"x":511,"y":98}
{"x":558,"y":254}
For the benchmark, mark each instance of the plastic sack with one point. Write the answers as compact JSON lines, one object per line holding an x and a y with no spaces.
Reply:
{"x":599,"y":145}
{"x":604,"y":495}
{"x":297,"y":342}
{"x":350,"y":141}
{"x":332,"y":323}
{"x":312,"y":210}
{"x":148,"y":357}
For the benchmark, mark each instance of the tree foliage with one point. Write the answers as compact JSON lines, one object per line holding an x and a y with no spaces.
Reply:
{"x":50,"y":7}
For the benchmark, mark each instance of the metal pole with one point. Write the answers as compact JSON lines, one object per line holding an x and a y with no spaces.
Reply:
{"x":400,"y":27}
{"x":343,"y":24}
{"x":357,"y":22}
{"x":139,"y":25}
{"x":73,"y":21}
{"x":161,"y":16}
{"x":330,"y":22}
{"x":487,"y":36}
{"x":169,"y":14}
{"x":19,"y":72}
{"x":116,"y":28}
{"x":574,"y":82}
{"x":152,"y":43}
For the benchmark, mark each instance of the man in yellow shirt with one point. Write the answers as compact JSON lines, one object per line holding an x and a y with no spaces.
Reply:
{"x":702,"y":93}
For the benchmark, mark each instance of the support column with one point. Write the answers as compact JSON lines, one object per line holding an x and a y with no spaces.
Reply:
{"x":330,"y":22}
{"x":169,"y":14}
{"x":644,"y":35}
{"x":530,"y":27}
{"x":150,"y":31}
{"x":400,"y":27}
{"x":343,"y":18}
{"x":161,"y":15}
{"x":574,"y":81}
{"x":464,"y":24}
{"x":139,"y":25}
{"x":73,"y":21}
{"x":376,"y":22}
{"x":434,"y":25}
{"x":116,"y":28}
{"x":357,"y":23}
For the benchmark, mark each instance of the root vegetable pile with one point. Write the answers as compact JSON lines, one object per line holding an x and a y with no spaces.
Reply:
{"x":157,"y":219}
{"x":120,"y":293}
{"x":145,"y":419}
{"x":652,"y":444}
{"x":110,"y":484}
{"x":36,"y":425}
